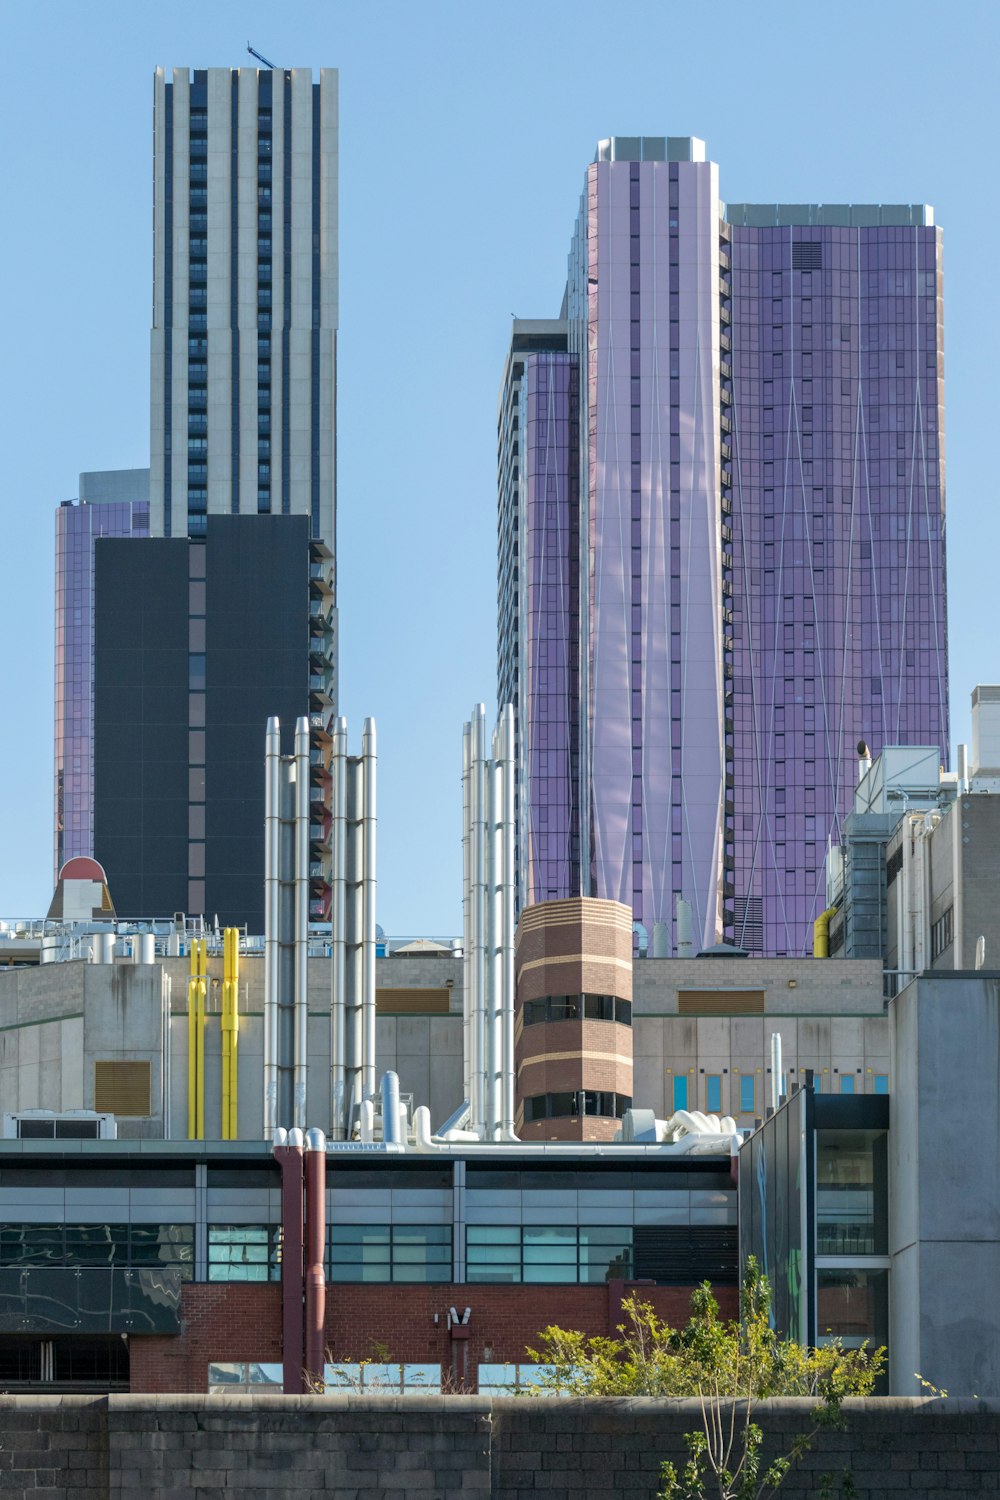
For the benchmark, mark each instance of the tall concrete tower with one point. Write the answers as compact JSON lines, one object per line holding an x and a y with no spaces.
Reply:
{"x":244,"y":338}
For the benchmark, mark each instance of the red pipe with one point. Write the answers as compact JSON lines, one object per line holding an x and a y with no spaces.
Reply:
{"x":315,"y":1258}
{"x":292,"y":1327}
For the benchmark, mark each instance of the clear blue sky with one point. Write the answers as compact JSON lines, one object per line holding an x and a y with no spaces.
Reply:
{"x":465,"y":131}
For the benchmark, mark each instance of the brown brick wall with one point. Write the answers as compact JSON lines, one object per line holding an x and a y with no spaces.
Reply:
{"x":570,"y":1128}
{"x":571,"y":947}
{"x":558,"y":1055}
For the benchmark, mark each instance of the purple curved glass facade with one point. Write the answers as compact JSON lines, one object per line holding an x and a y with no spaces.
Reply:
{"x":549,"y":609}
{"x":643,"y":307}
{"x":838,"y":547}
{"x":739,"y":571}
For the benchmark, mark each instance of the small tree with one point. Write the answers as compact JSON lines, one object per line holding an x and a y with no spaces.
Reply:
{"x":727,"y":1367}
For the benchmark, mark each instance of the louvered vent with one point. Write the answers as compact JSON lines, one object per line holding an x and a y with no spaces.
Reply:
{"x":748,"y":922}
{"x":807,"y":255}
{"x":122,"y":1088}
{"x":685,"y":1254}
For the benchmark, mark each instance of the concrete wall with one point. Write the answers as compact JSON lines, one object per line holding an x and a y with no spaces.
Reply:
{"x":829,"y":1015}
{"x":444,"y":1448}
{"x":976,"y":913}
{"x":57,"y":1019}
{"x":944,"y":1184}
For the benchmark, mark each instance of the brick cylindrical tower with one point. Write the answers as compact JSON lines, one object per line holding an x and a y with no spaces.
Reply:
{"x":573,"y":1024}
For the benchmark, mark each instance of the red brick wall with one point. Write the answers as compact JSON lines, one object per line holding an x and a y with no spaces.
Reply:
{"x":219,"y":1321}
{"x":234,"y":1321}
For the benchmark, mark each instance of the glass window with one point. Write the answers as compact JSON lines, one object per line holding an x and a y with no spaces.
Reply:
{"x":243,"y":1252}
{"x":680,"y":1091}
{"x":170,"y":1246}
{"x":543,"y":1253}
{"x":748,"y":1094}
{"x":383,"y":1379}
{"x":713,"y":1093}
{"x":852,"y":1306}
{"x":851,"y":1192}
{"x":389,"y":1252}
{"x":881,"y":1083}
{"x":847,"y":1083}
{"x":224,"y":1378}
{"x":507,"y":1380}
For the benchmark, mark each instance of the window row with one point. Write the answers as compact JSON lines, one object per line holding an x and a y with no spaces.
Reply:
{"x":373,"y":1379}
{"x":385,"y":1253}
{"x":169,"y":1246}
{"x":597,"y":1102}
{"x":746,"y":1091}
{"x":577,"y":1008}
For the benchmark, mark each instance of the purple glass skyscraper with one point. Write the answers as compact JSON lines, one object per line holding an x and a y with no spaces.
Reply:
{"x":838,"y":548}
{"x":112,"y":503}
{"x":721,"y":543}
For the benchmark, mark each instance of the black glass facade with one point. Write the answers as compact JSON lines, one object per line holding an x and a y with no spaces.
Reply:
{"x":197,"y":644}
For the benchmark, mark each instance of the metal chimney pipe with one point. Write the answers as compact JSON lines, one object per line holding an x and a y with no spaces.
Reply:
{"x":301,"y":904}
{"x":478,"y":919}
{"x":314,"y":1270}
{"x":354,"y":944}
{"x":368,"y":762}
{"x":494,"y":956}
{"x":775,"y":1069}
{"x":683,"y":942}
{"x":289,"y":1155}
{"x":506,"y":737}
{"x":963,"y":770}
{"x":467,"y":909}
{"x":341,"y":1125}
{"x":272,"y":857}
{"x":390,"y":1109}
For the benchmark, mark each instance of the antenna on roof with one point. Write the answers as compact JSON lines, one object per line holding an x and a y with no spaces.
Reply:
{"x":257,"y":55}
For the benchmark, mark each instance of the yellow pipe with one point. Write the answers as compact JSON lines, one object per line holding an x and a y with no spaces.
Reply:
{"x":192,"y":1049}
{"x":225,"y":1036}
{"x":230,"y":1032}
{"x":197,"y":990}
{"x":821,"y":933}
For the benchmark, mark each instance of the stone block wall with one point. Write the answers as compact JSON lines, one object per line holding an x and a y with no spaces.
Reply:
{"x":442,"y":1448}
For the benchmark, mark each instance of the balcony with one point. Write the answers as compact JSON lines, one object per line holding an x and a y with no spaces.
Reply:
{"x":726,"y":317}
{"x":101,"y":1299}
{"x":319,"y":578}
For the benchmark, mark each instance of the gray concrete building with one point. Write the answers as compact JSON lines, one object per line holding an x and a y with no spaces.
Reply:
{"x":701,"y":1032}
{"x":113,"y":1038}
{"x":879,"y":1218}
{"x":944,"y":1184}
{"x":916,"y":880}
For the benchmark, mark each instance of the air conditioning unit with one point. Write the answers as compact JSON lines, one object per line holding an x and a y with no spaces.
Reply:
{"x":72,"y":1125}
